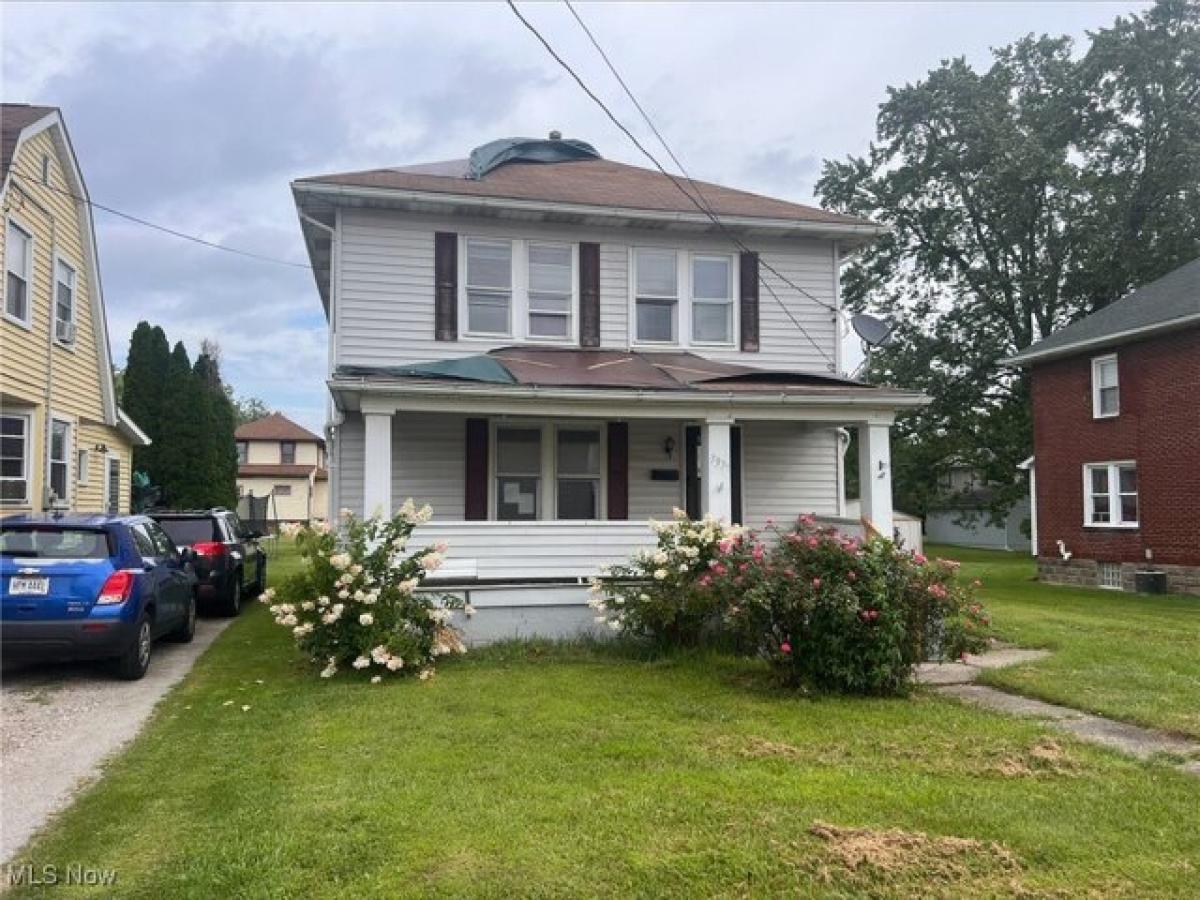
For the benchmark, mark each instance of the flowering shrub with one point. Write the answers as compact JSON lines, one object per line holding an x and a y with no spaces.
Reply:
{"x":356,"y":605}
{"x":668,"y":594}
{"x":845,"y":615}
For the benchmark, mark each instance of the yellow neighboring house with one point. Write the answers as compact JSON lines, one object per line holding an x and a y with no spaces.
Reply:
{"x":284,"y":462}
{"x":64,"y":443}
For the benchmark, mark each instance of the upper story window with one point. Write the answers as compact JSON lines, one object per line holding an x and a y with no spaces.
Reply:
{"x":243,"y":451}
{"x":551,"y":290}
{"x":1106,"y":390}
{"x":18,"y":262}
{"x":45,"y":168}
{"x":661,"y":277}
{"x":519,"y":289}
{"x":64,"y":302}
{"x":287,"y":452}
{"x":712,"y":299}
{"x":489,"y":286}
{"x":1110,"y":494}
{"x":656,"y":295}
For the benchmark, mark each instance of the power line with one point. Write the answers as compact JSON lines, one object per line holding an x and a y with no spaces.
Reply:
{"x":31,"y":180}
{"x":698,"y":203}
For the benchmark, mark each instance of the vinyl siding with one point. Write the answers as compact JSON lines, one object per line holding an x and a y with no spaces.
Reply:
{"x":653,"y":499}
{"x":75,"y":369}
{"x":384,"y":314}
{"x":788,"y":469}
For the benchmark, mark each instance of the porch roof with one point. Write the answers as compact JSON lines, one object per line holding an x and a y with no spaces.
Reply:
{"x":610,"y":375}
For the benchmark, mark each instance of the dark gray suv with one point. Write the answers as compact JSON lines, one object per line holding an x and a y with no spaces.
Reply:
{"x":230,"y":565}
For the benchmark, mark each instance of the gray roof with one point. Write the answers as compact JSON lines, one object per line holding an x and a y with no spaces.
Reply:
{"x":1171,"y":302}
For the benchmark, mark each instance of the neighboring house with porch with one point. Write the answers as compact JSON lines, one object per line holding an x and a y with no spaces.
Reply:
{"x":551,"y":348}
{"x":64,"y":442}
{"x":284,"y":462}
{"x":1115,"y":475}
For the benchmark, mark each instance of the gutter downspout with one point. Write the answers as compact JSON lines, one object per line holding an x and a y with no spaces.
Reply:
{"x":47,"y":424}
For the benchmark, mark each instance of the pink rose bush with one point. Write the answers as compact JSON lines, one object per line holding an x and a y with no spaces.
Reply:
{"x":356,"y":605}
{"x":827,"y":610}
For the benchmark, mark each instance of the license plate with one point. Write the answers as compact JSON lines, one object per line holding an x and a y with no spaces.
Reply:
{"x":27,"y":586}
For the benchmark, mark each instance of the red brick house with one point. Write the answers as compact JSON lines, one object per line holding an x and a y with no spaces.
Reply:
{"x":1115,"y":476}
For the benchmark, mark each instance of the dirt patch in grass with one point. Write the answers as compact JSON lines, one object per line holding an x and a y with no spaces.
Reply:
{"x":940,"y":864}
{"x":1046,"y":757}
{"x":760,"y":748}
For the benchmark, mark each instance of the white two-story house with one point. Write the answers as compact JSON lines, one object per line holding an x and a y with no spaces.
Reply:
{"x":551,"y":348}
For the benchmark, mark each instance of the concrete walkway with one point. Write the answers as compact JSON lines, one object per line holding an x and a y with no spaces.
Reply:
{"x":957,"y":680}
{"x":61,"y":721}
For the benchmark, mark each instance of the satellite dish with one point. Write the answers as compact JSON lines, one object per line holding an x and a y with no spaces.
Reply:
{"x":874,"y":332}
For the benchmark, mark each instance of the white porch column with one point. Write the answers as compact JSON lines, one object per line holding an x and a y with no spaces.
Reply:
{"x":377,"y":464}
{"x":875,"y":476}
{"x":717,"y":468}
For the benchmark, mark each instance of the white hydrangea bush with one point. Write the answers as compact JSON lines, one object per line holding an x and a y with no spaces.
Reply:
{"x":355,"y":605}
{"x":664,"y":593}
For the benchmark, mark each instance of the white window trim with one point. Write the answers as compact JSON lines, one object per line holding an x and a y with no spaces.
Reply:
{"x":1097,"y":362}
{"x":684,"y":298}
{"x":69,"y":421}
{"x":59,"y":259}
{"x":30,"y":254}
{"x":83,"y":465}
{"x":28,"y":463}
{"x":732,"y":302}
{"x":518,"y":306}
{"x":109,"y":459}
{"x":1114,"y":494}
{"x":548,"y":476}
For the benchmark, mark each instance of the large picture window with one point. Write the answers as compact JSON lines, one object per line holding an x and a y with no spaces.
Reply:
{"x":518,"y":473}
{"x":489,"y":286}
{"x":712,"y":299}
{"x":578,"y":478}
{"x":656,"y":295}
{"x":18,"y":260}
{"x":14,"y":459}
{"x":1110,"y":494}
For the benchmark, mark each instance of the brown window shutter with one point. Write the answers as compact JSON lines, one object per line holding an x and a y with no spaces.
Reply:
{"x":749,"y":301}
{"x":735,"y":465}
{"x":618,"y":470}
{"x":475,"y":504}
{"x":445,"y":268}
{"x":589,"y":295}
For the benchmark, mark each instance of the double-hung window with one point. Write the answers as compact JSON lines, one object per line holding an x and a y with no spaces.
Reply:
{"x":14,"y":459}
{"x":243,"y":452}
{"x":1110,"y":494}
{"x":712,"y":299}
{"x":64,"y":302}
{"x":518,"y":473}
{"x":550,"y":293}
{"x":60,"y":460}
{"x":1106,"y":389}
{"x":656,"y":295}
{"x":578,"y":474}
{"x":287,"y":452}
{"x":18,"y":252}
{"x":489,"y":284}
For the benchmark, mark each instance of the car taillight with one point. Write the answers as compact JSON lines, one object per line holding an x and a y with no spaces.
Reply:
{"x":116,"y":588}
{"x":209,"y":548}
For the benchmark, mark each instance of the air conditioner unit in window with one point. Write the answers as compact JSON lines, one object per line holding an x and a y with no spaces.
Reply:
{"x":64,"y":331}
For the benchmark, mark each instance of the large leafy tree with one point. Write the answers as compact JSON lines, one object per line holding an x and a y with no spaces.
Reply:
{"x":1018,"y":199}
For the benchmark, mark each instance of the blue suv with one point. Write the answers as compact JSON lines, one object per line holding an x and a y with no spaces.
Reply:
{"x":92,"y":587}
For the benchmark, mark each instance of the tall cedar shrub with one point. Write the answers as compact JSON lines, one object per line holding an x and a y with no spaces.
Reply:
{"x":220,"y":448}
{"x":185,"y":459}
{"x":142,"y":393}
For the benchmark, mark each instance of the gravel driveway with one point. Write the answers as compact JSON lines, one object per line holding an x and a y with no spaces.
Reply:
{"x":59,"y":722}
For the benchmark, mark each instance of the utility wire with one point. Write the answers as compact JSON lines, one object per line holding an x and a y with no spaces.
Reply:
{"x":698,"y":200}
{"x":30,"y":180}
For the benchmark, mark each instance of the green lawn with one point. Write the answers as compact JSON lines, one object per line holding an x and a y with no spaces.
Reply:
{"x":539,"y":771}
{"x":1127,"y":656}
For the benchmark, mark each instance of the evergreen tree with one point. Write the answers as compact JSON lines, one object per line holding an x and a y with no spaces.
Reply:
{"x":217,"y":411}
{"x":142,"y":392}
{"x":184,"y":456}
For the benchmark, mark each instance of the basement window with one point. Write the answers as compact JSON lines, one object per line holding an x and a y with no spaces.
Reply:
{"x":1108,"y":575}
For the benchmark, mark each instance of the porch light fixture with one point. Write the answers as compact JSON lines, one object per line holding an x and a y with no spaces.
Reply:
{"x":100,"y":448}
{"x":669,"y":446}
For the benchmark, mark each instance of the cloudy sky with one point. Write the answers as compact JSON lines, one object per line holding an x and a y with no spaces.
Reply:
{"x":198,"y":116}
